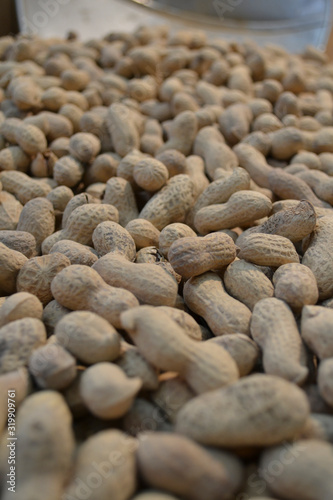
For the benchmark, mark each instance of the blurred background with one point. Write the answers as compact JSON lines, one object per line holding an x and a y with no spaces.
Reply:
{"x":291,"y":23}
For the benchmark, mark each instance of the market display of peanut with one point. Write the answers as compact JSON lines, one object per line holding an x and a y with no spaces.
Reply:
{"x":166,"y":269}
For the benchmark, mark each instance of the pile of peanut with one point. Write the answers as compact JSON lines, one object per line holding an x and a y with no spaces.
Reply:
{"x":166,"y":268}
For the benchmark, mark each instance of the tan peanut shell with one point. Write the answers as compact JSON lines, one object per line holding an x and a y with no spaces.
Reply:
{"x":37,"y":273}
{"x":53,"y":313}
{"x":171,"y":395}
{"x":158,"y":209}
{"x":325,"y":378}
{"x":210,"y":145}
{"x":156,"y":455}
{"x":296,"y":285}
{"x":205,"y":295}
{"x":44,"y":456}
{"x":20,"y":241}
{"x":304,"y":470}
{"x":110,"y":237}
{"x":75,"y":252}
{"x":135,"y":365}
{"x":316,"y":329}
{"x":171,"y":233}
{"x":19,"y":306}
{"x":89,"y":337}
{"x":123,"y":131}
{"x":22,"y":186}
{"x":319,"y":256}
{"x":241,"y":348}
{"x":113,"y":453}
{"x":267,"y":250}
{"x":254,"y":163}
{"x":274,"y":329}
{"x":119,"y":193}
{"x":106,"y":390}
{"x":10,"y":210}
{"x":16,"y":381}
{"x":150,"y":174}
{"x":11,"y":262}
{"x":184,"y":320}
{"x":37,"y":217}
{"x":52,"y":367}
{"x":259,"y":410}
{"x":193,"y":256}
{"x":143,"y":232}
{"x":19,"y":338}
{"x":148,"y":282}
{"x":203,"y":366}
{"x":81,"y":288}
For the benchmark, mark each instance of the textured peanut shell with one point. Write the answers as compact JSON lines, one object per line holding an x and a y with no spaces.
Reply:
{"x":106,"y":390}
{"x":113,"y":451}
{"x":11,"y":262}
{"x":254,"y":163}
{"x":325,"y":380}
{"x":319,"y":256}
{"x":18,"y":339}
{"x":274,"y":329}
{"x":75,"y":252}
{"x":193,"y":256}
{"x":259,"y":410}
{"x":150,"y":174}
{"x":75,"y":202}
{"x":143,"y":232}
{"x":296,"y":285}
{"x":267,"y":250}
{"x":205,"y":295}
{"x":119,"y":193}
{"x":17,"y":381}
{"x":22,"y":186}
{"x":171,"y":233}
{"x":19,"y":306}
{"x":37,"y":218}
{"x":81,"y":288}
{"x":110,"y":237}
{"x":53,"y":313}
{"x":52,"y":367}
{"x":37,"y":273}
{"x":316,"y":329}
{"x":122,"y":129}
{"x":10,"y":210}
{"x":242,"y":208}
{"x":31,"y":139}
{"x":47,"y":445}
{"x":241,"y":348}
{"x":21,"y":241}
{"x":135,"y":365}
{"x":171,"y":203}
{"x":88,"y":337}
{"x":185,"y":321}
{"x":304,"y":470}
{"x":203,"y":366}
{"x":197,"y":474}
{"x":171,"y":395}
{"x":247,"y":283}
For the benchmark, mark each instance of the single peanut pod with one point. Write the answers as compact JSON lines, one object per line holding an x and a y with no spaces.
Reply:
{"x":84,"y":146}
{"x":103,"y":167}
{"x":20,"y":241}
{"x":247,"y":283}
{"x":119,"y":193}
{"x":149,"y":283}
{"x":304,"y":470}
{"x":274,"y":329}
{"x":36,"y":275}
{"x":316,"y":329}
{"x":267,"y":250}
{"x":44,"y":458}
{"x":220,"y":190}
{"x":325,"y":377}
{"x":319,"y":256}
{"x":81,"y":288}
{"x":11,"y":262}
{"x":235,"y":122}
{"x":195,"y":169}
{"x":19,"y":306}
{"x":75,"y":202}
{"x":158,"y":209}
{"x":19,"y":339}
{"x":150,"y":174}
{"x":14,"y":158}
{"x":16,"y":381}
{"x":22,"y":186}
{"x":288,"y":186}
{"x":254,"y":163}
{"x":122,"y":129}
{"x":54,"y":98}
{"x":135,"y":365}
{"x":231,"y":422}
{"x":184,"y":320}
{"x":321,"y":183}
{"x":296,"y":285}
{"x":110,"y":237}
{"x":242,"y":208}
{"x":205,"y":295}
{"x":241,"y":348}
{"x":156,"y":455}
{"x":75,"y":252}
{"x":106,"y":390}
{"x":143,"y":232}
{"x":108,"y":454}
{"x":10,"y":210}
{"x":53,"y":313}
{"x":52,"y":367}
{"x":60,"y":197}
{"x":68,"y":171}
{"x":203,"y":366}
{"x":193,"y":256}
{"x":31,"y":139}
{"x":182,"y":133}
